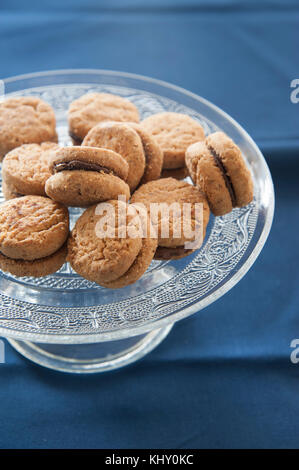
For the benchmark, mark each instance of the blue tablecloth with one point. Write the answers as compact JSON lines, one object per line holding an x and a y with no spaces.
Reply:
{"x":223,"y":377}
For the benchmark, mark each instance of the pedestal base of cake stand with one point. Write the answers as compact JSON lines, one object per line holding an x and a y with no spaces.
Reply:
{"x":91,"y":358}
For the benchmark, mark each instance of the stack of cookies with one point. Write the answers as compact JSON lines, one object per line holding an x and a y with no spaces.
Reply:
{"x":117,"y":162}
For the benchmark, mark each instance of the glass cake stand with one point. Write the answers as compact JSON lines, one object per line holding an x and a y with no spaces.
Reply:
{"x":67,"y":323}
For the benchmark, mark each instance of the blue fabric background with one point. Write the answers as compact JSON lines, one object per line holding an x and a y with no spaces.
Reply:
{"x":223,"y":377}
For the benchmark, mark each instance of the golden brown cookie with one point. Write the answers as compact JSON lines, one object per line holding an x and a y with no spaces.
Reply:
{"x":25,"y":120}
{"x":174,"y":132}
{"x":93,"y":108}
{"x":26,"y":168}
{"x":102,"y":247}
{"x":36,"y":268}
{"x":120,"y":138}
{"x":179,"y":229}
{"x":143,"y":259}
{"x":32,"y":227}
{"x":82,"y":176}
{"x":217,"y":167}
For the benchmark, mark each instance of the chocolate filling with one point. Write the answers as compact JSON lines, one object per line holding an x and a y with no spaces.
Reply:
{"x":81,"y":165}
{"x":77,"y":140}
{"x":228,"y":181}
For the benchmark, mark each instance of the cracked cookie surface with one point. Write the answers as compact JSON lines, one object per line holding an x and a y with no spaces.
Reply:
{"x":93,"y":108}
{"x":26,"y":168}
{"x":144,"y":257}
{"x":169,"y":191}
{"x":174,"y":132}
{"x":32,"y":227}
{"x":96,"y":250}
{"x":25,"y":120}
{"x":124,"y":140}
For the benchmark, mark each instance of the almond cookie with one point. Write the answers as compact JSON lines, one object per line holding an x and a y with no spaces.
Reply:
{"x":93,"y":108}
{"x":175,"y":228}
{"x":217,"y":167}
{"x":174,"y":132}
{"x":82,"y":176}
{"x":25,"y":120}
{"x":108,"y":248}
{"x":36,"y":268}
{"x":124,"y":140}
{"x":32,"y":227}
{"x":152,"y":152}
{"x":33,"y":230}
{"x":25,"y":169}
{"x":145,"y":255}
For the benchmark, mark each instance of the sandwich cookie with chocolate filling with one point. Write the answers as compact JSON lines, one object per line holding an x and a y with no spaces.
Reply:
{"x":25,"y":120}
{"x":93,"y":108}
{"x":173,"y":132}
{"x":123,"y":139}
{"x":152,"y":152}
{"x":108,"y":246}
{"x":218,"y":168}
{"x":33,"y":232}
{"x":182,"y":227}
{"x":25,"y":170}
{"x":82,"y":176}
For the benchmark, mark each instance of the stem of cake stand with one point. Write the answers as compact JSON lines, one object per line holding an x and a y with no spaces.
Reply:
{"x":92,"y":357}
